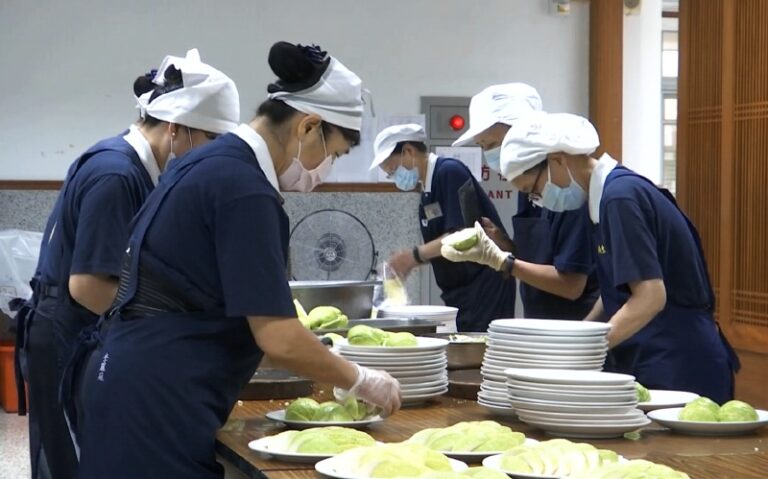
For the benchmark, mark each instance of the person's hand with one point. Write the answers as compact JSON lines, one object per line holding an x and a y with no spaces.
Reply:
{"x":483,"y":252}
{"x":402,"y":263}
{"x":375,"y":387}
{"x":497,"y":235}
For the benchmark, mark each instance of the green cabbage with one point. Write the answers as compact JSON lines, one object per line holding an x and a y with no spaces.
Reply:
{"x":471,"y":436}
{"x":327,"y":317}
{"x":400,"y":339}
{"x":698,"y":413}
{"x":736,"y":411}
{"x":362,"y":335}
{"x":331,"y":411}
{"x":558,"y":457}
{"x":321,"y":440}
{"x":635,"y":469}
{"x":643,"y":395}
{"x":302,"y":409}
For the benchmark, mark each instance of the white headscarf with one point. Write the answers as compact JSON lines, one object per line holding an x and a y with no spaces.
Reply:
{"x":538,"y":134}
{"x":208,"y":100}
{"x":336,"y":98}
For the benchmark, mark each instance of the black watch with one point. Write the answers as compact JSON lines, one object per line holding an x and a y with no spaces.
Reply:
{"x":417,"y":256}
{"x":506,"y":268}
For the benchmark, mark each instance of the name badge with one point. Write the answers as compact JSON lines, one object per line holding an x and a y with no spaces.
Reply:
{"x":432,"y":211}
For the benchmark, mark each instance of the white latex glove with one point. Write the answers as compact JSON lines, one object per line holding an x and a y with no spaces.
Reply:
{"x":484,"y":252}
{"x":374,"y":387}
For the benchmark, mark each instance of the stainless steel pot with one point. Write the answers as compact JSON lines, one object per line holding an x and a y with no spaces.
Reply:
{"x":464,"y":355}
{"x":354,"y":298}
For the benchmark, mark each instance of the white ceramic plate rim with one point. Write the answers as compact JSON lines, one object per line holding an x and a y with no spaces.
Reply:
{"x":665,"y":399}
{"x":569,"y":387}
{"x":423,"y":344}
{"x":551,"y":325}
{"x":668,"y":417}
{"x":279,"y":416}
{"x":566,"y":376}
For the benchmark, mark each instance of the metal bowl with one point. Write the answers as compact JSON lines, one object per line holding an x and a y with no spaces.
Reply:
{"x":463,"y":355}
{"x":354,"y":298}
{"x":417,"y":327}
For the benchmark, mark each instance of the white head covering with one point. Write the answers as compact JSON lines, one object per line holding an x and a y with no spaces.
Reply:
{"x":337,"y":97}
{"x":386,"y":141}
{"x":538,"y":134}
{"x":208,"y":100}
{"x":499,"y":104}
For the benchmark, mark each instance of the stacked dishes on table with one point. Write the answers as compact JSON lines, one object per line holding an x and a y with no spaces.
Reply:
{"x":445,"y":315}
{"x":421,"y":369}
{"x":539,"y":344}
{"x":580,"y":404}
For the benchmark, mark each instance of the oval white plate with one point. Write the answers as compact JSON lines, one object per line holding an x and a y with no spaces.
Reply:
{"x":420,"y":309}
{"x":440,"y":375}
{"x":423,"y":344}
{"x":568,"y":397}
{"x":579,"y":388}
{"x":264,"y":446}
{"x":551,"y":326}
{"x":558,"y":407}
{"x":476,"y":457}
{"x":498,"y":409}
{"x":543,"y":347}
{"x":279,"y":416}
{"x":661,"y":399}
{"x":506,"y":349}
{"x":668,"y":418}
{"x":583,"y":416}
{"x":544,"y":357}
{"x":493,"y":462}
{"x":588,"y":431}
{"x":332,"y":467}
{"x":566,"y":376}
{"x":563,"y":341}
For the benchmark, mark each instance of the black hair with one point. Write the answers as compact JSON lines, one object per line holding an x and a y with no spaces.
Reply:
{"x":417,"y":145}
{"x":144,"y":84}
{"x":298,"y":68}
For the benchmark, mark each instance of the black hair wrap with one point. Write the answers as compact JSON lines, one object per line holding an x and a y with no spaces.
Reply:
{"x":297,"y":67}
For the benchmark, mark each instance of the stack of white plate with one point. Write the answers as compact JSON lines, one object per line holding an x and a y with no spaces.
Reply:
{"x":540,"y":344}
{"x":580,"y":404}
{"x":446,"y":315}
{"x":421,"y":369}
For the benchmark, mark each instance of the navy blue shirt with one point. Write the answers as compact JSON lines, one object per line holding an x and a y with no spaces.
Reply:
{"x":642,"y":235}
{"x":88,"y":229}
{"x":448,"y":176}
{"x":563,"y":240}
{"x":221,"y":235}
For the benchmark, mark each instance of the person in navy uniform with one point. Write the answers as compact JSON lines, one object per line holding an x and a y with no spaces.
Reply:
{"x":183,"y":106}
{"x":480,"y":294}
{"x":554,"y":261}
{"x":203,"y":294}
{"x":655,"y":291}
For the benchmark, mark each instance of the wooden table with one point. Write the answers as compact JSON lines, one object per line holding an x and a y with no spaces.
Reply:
{"x":739,"y":457}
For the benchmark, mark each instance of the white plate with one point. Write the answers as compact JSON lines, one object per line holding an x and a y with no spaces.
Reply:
{"x":632,"y":402}
{"x":570,"y":398}
{"x":498,"y":410}
{"x":425,"y":384}
{"x":668,"y":418}
{"x":396,"y":361}
{"x":408,"y":393}
{"x":264,"y":446}
{"x":565,"y":376}
{"x":420,"y":309}
{"x":537,"y":345}
{"x":576,"y":389}
{"x":580,"y":416}
{"x":544,"y":364}
{"x":544,"y":357}
{"x":661,"y":399}
{"x":332,"y":467}
{"x":422,"y":344}
{"x":423,"y":379}
{"x":562,"y":341}
{"x":390,"y":356}
{"x":551,"y":326}
{"x":596,"y":431}
{"x":420,"y":398}
{"x":442,"y":364}
{"x":566,"y":408}
{"x":279,"y":416}
{"x":506,"y":349}
{"x":493,"y":398}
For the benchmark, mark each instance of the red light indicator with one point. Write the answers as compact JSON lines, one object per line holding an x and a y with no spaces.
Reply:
{"x":456,"y":122}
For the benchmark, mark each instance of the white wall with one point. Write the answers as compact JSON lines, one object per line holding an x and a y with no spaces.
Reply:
{"x":68,"y":67}
{"x":641,"y":136}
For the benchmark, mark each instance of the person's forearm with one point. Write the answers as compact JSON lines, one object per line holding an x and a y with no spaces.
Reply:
{"x":431,"y":250}
{"x":647,"y":300}
{"x":290,"y":345}
{"x":597,"y":313}
{"x":547,"y":278}
{"x":94,"y":292}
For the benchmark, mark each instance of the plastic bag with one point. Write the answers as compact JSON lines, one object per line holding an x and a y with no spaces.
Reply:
{"x":391,"y":291}
{"x":18,"y":259}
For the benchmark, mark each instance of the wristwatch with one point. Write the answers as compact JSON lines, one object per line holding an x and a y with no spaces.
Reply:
{"x":417,"y":256}
{"x":507,"y":266}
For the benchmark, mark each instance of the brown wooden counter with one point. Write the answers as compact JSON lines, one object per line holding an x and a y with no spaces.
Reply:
{"x":739,"y":457}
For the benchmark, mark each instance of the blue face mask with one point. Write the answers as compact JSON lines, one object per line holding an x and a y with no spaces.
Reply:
{"x":559,"y":199}
{"x":493,"y":158}
{"x":405,"y":179}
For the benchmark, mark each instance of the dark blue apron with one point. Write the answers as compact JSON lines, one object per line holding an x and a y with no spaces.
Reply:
{"x":487,"y":297}
{"x":157,"y":388}
{"x":48,"y":327}
{"x":681,"y":348}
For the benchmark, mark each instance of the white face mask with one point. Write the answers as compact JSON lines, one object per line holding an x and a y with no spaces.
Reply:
{"x":297,"y":178}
